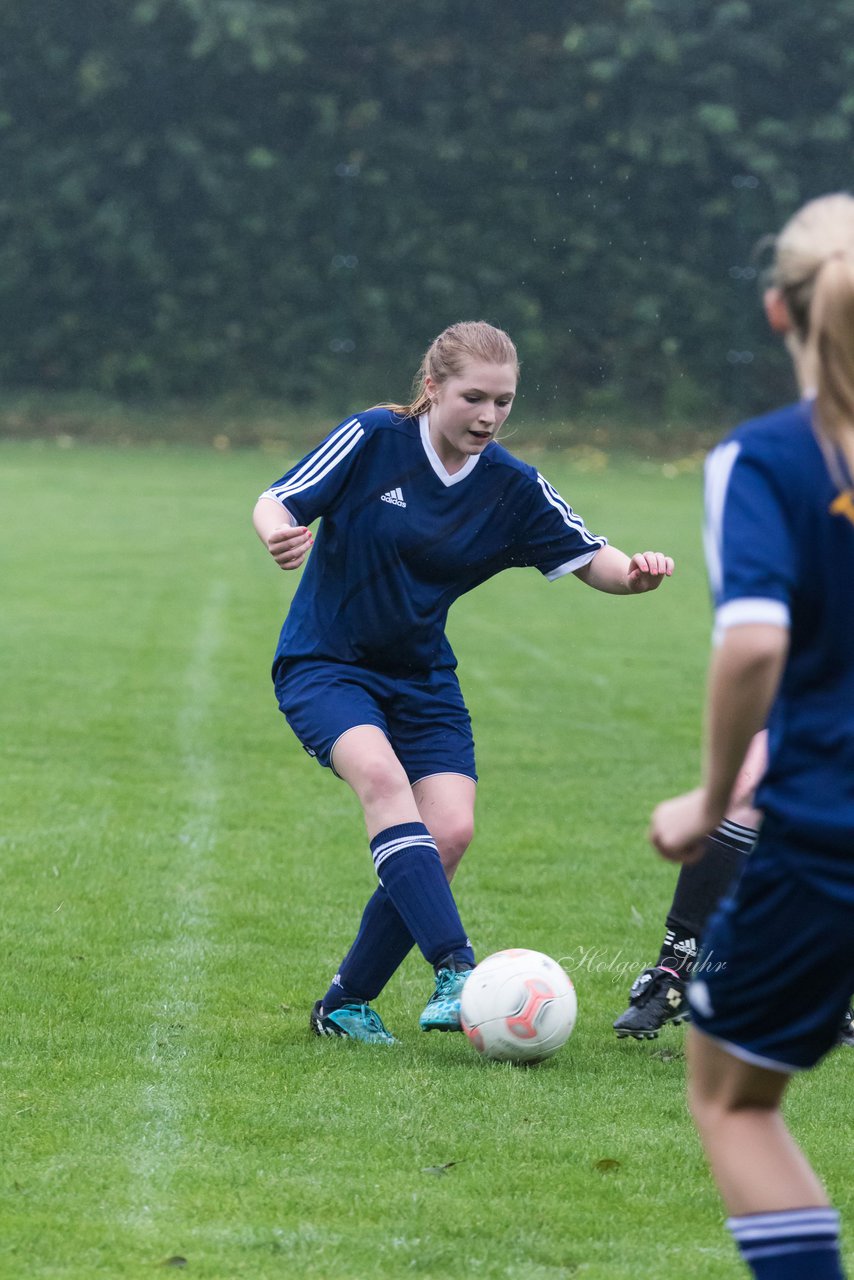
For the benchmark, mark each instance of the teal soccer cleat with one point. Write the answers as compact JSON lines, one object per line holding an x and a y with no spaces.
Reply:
{"x":352,"y":1021}
{"x":442,"y":1011}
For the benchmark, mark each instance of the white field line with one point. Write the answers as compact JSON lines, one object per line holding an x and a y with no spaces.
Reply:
{"x":168,"y":1096}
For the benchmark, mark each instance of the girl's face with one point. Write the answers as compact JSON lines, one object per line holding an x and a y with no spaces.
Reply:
{"x":467,"y":411}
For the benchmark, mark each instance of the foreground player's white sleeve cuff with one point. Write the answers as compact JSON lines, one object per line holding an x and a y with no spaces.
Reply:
{"x":739,"y":613}
{"x":571,"y":565}
{"x":268,"y":493}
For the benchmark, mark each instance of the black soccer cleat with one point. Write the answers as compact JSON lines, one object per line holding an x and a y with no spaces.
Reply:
{"x":846,"y":1030}
{"x":657,"y":996}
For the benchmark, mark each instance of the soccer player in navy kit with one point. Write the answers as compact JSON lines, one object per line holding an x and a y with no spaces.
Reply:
{"x":419,"y":504}
{"x":780,"y":549}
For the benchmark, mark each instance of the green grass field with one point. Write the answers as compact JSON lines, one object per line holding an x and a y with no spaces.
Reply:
{"x":180,"y":881}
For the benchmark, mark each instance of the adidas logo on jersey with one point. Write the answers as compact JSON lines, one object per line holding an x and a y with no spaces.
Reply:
{"x":395,"y":497}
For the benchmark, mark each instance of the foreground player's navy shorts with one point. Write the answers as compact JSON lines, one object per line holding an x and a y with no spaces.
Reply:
{"x":776,"y":969}
{"x":422,"y":715}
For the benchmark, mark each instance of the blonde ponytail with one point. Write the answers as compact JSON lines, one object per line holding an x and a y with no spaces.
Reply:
{"x":814,"y":269}
{"x":831,"y":337}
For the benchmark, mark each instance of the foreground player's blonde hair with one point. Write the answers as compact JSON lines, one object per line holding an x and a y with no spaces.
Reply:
{"x":814,"y":269}
{"x":448,"y":354}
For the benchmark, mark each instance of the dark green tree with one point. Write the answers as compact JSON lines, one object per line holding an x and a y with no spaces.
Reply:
{"x":292,"y":198}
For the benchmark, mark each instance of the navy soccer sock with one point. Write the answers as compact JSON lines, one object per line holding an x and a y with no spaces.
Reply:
{"x":699,"y":889}
{"x":793,"y":1244}
{"x":381,"y":945}
{"x":411,"y":872}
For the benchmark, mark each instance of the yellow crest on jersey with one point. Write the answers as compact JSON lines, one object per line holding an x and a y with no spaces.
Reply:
{"x":843,"y":505}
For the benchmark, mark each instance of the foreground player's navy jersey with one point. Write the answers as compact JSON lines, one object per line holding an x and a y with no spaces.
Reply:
{"x":401,"y":539}
{"x":780,"y":549}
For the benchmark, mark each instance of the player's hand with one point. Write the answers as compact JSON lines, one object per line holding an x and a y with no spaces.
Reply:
{"x":647,"y":570}
{"x":289,"y":545}
{"x":679,"y":827}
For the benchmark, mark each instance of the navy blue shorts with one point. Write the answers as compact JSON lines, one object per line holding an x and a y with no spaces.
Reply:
{"x":423,"y":716}
{"x":776,"y":969}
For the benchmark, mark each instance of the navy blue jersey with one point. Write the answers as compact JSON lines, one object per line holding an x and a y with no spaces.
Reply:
{"x":780,"y":549}
{"x":400,"y":539}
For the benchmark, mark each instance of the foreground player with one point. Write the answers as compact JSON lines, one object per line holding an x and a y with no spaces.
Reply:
{"x":420,"y":504}
{"x":780,"y":547}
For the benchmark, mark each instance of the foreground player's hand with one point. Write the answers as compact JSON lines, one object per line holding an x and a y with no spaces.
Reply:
{"x":679,"y":827}
{"x":647,"y":570}
{"x":289,"y":545}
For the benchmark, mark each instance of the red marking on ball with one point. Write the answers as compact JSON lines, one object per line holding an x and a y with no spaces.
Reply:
{"x":521,"y":1025}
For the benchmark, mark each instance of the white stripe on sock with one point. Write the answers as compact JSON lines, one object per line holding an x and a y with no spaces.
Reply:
{"x":779,"y":1226}
{"x":384,"y":851}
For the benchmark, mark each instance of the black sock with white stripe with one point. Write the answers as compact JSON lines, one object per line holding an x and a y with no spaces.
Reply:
{"x":699,"y":889}
{"x":411,"y":871}
{"x":792,"y":1244}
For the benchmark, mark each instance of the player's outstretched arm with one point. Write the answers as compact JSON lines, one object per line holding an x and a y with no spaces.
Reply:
{"x":613,"y":571}
{"x":287,"y":542}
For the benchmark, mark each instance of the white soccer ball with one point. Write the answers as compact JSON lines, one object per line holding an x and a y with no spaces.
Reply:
{"x":518,"y":1006}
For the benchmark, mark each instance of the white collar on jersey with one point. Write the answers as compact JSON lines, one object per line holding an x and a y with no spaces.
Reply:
{"x":436,"y":462}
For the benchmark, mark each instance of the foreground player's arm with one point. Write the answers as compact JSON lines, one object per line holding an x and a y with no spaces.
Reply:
{"x":743,"y":678}
{"x":612,"y":571}
{"x":287,"y":542}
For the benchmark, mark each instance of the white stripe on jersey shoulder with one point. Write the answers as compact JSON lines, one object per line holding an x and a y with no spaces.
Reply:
{"x":448,"y":478}
{"x":319,"y":463}
{"x":719,"y":465}
{"x":740,"y":613}
{"x":569,"y":517}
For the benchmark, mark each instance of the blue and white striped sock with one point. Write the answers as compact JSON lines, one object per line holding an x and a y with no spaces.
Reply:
{"x":411,"y":871}
{"x":792,"y":1244}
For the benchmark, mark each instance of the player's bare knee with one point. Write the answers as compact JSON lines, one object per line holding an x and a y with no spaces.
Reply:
{"x":452,"y":838}
{"x":451,"y":859}
{"x":378,"y":782}
{"x":710,"y":1112}
{"x":755,"y":1093}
